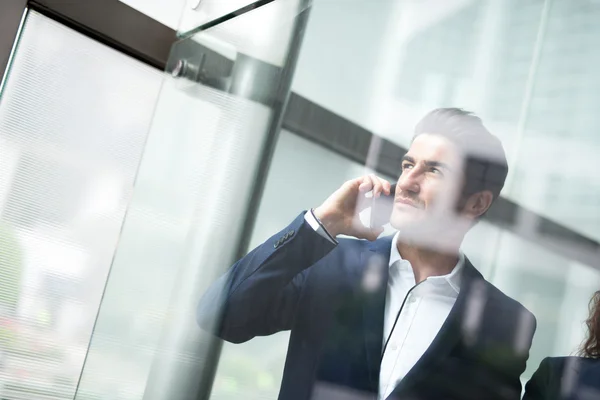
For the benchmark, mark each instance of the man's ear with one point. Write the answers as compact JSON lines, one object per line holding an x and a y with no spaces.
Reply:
{"x":478,"y":203}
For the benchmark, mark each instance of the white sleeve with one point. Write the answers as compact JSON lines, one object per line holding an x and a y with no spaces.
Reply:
{"x":310,"y":218}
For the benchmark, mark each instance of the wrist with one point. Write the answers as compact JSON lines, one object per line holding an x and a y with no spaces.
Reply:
{"x":327,"y":219}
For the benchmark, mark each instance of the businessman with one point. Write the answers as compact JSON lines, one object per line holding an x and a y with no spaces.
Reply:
{"x":400,"y":317}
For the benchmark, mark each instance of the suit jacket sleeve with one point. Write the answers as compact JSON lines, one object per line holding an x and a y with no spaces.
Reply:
{"x":537,"y":387}
{"x":260,"y":294}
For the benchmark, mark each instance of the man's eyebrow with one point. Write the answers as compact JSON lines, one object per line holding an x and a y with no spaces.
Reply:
{"x":437,"y":164}
{"x":430,"y":164}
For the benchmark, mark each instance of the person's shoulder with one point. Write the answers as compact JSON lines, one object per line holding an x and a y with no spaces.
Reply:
{"x":571,"y":362}
{"x":571,"y":366}
{"x":553,"y":372}
{"x":557,"y":363}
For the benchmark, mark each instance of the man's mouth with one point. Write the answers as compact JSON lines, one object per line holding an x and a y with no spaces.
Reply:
{"x":407,"y":202}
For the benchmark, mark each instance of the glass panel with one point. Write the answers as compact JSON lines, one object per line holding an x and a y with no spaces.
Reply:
{"x":557,"y":126}
{"x":215,"y":122}
{"x":509,"y":62}
{"x":368,"y":74}
{"x":74,"y":116}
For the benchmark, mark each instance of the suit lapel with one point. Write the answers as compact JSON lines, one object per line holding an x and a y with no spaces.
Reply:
{"x":449,"y":334}
{"x":372,"y":286}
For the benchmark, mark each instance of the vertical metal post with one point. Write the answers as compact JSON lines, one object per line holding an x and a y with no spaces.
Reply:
{"x":281,"y":100}
{"x":174,"y":379}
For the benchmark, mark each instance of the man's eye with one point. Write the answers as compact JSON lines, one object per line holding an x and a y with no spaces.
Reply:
{"x":406,"y":166}
{"x":436,"y":171}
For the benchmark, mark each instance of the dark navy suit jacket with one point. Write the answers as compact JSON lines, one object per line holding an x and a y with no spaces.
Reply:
{"x":332,"y":298}
{"x":565,"y":378}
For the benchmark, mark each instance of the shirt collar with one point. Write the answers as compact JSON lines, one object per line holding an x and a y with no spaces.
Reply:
{"x":453,"y":278}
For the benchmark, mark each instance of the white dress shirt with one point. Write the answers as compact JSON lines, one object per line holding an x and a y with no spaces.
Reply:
{"x":426,"y":307}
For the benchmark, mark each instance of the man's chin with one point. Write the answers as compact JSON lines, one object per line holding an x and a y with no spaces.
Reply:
{"x":427,"y":231}
{"x":404,"y":220}
{"x":416,"y":223}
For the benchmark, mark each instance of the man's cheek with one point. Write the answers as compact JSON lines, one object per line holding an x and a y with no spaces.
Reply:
{"x":444,"y":201}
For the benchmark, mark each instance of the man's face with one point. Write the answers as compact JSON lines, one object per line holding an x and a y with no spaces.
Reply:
{"x":429,"y":184}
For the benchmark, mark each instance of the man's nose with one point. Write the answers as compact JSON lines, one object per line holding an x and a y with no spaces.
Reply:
{"x":409,"y":181}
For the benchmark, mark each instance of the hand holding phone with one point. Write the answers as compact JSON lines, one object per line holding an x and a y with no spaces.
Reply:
{"x":340,"y":212}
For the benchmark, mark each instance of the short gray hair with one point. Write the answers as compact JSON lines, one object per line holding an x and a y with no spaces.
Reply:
{"x":486,"y":167}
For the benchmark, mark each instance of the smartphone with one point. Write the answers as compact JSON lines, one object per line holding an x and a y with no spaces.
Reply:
{"x":382,"y":207}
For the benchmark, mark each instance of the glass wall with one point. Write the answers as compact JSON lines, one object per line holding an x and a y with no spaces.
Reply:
{"x":74,"y":116}
{"x":102,"y":276}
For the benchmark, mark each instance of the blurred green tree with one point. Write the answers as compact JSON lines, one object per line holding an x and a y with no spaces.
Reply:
{"x":11,"y":268}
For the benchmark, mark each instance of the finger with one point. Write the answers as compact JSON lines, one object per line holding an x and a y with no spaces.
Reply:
{"x":354,"y":186}
{"x":377,"y":185}
{"x":387,"y":187}
{"x":366,"y":185}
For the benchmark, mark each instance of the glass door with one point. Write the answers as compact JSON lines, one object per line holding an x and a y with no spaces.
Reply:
{"x":196,"y":194}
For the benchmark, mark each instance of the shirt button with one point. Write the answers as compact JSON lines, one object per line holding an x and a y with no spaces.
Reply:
{"x":394,"y":347}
